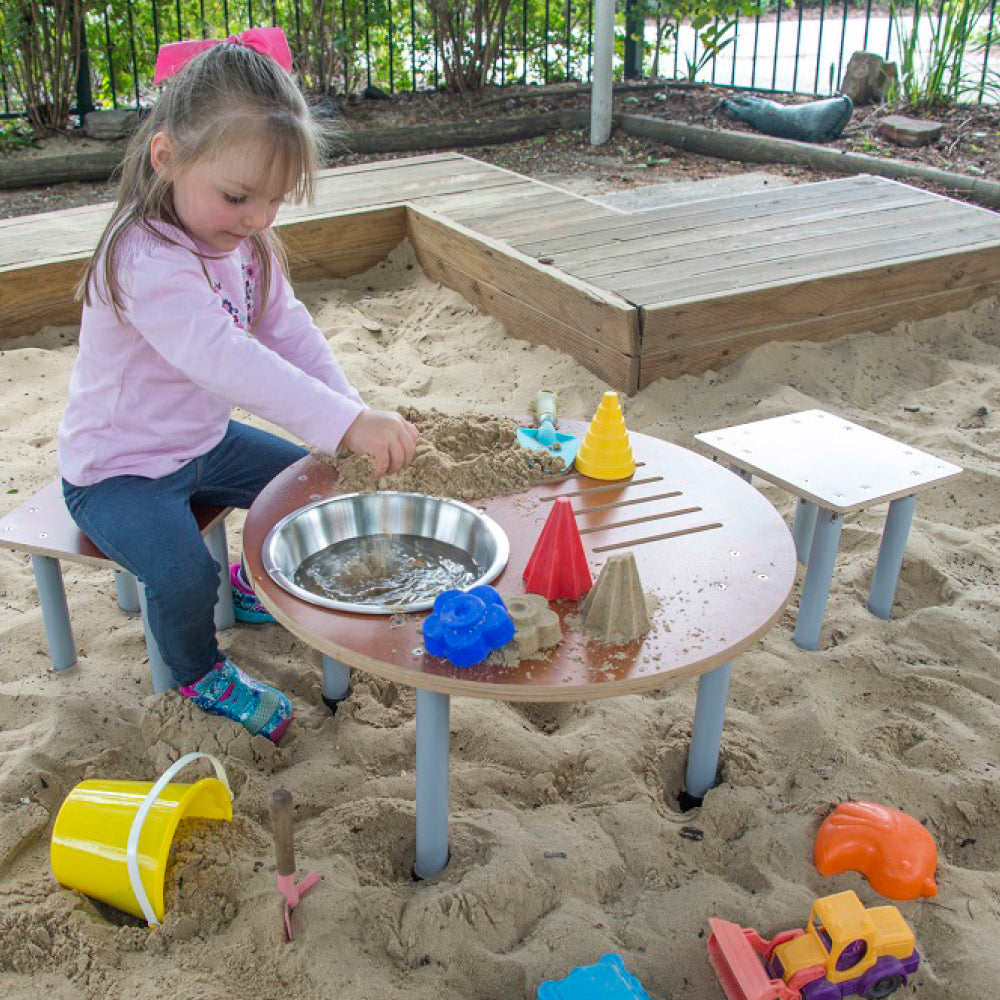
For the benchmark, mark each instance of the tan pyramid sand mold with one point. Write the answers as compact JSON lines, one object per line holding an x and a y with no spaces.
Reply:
{"x":615,"y":609}
{"x":565,"y":835}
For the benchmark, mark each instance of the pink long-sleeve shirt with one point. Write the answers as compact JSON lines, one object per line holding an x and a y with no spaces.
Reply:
{"x":155,"y":389}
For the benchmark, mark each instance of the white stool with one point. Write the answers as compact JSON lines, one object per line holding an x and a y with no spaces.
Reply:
{"x":834,"y":467}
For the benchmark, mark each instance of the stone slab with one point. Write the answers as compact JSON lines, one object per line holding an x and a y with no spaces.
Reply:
{"x":905,"y":131}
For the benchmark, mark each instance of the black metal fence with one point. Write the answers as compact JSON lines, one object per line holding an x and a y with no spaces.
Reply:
{"x":343,"y":46}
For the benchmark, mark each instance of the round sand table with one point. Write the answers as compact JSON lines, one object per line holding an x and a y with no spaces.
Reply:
{"x":712,"y":551}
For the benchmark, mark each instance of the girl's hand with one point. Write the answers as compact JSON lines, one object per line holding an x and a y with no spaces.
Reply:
{"x":386,"y":436}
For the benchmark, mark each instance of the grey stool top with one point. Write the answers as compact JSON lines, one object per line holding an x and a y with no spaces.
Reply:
{"x":43,"y":526}
{"x":828,"y":460}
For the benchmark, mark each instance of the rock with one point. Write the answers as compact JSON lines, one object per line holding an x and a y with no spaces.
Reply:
{"x":868,"y":78}
{"x":905,"y":131}
{"x":373,"y":93}
{"x":815,"y":121}
{"x":111,"y":124}
{"x":327,"y":103}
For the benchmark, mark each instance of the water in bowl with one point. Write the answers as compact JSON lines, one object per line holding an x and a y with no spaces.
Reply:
{"x":386,"y":570}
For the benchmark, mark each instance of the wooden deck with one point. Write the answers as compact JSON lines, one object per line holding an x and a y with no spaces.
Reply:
{"x":634,"y":296}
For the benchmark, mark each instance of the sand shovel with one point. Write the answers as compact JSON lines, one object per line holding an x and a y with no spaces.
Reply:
{"x":284,"y":847}
{"x":545,"y":437}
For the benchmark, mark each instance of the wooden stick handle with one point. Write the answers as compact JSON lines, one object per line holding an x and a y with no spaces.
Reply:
{"x":657,"y":538}
{"x":281,"y":826}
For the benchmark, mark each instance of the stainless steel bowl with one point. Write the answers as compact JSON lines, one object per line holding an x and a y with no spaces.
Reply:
{"x":314,"y":528}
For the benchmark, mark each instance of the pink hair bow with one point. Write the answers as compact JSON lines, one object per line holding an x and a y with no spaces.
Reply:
{"x":267,"y":41}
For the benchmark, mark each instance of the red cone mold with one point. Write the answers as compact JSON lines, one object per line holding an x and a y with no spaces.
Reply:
{"x":557,"y":568}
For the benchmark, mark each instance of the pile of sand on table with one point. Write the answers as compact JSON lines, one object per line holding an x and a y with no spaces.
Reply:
{"x":464,"y":457}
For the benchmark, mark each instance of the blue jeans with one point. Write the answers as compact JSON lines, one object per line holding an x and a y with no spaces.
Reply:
{"x":146,"y":526}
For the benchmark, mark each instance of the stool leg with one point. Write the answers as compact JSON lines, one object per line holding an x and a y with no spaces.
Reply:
{"x":55,"y":611}
{"x":336,"y":681}
{"x":432,"y":782}
{"x":803,"y":527}
{"x":225,"y":617}
{"x":127,"y":590}
{"x":890,"y":556}
{"x":162,"y":678}
{"x":706,"y":737}
{"x":816,"y":588}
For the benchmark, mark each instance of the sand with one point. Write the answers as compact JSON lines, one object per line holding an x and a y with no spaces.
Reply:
{"x":566,"y":838}
{"x":462,"y":456}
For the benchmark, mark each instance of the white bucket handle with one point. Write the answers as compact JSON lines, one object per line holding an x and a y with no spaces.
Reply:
{"x":132,"y":847}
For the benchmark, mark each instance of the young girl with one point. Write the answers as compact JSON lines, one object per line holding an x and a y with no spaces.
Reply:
{"x":187,"y":311}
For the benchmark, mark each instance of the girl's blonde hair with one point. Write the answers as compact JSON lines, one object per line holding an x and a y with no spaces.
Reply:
{"x":227,"y":97}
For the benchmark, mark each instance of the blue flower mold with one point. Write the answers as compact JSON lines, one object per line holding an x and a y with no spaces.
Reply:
{"x":466,"y":626}
{"x":607,"y":979}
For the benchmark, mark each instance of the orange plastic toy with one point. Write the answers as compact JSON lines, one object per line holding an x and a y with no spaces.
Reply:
{"x":845,"y":950}
{"x":891,"y":849}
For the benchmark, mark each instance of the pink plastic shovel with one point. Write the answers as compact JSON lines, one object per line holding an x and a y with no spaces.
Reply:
{"x":284,"y":847}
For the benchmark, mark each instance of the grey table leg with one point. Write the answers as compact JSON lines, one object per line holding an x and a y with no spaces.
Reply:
{"x":55,"y":611}
{"x":225,"y":617}
{"x":803,"y":527}
{"x":162,"y":678}
{"x":890,"y":556}
{"x":706,"y":737}
{"x":127,"y":590}
{"x":816,"y":588}
{"x":432,"y":782}
{"x":336,"y":680}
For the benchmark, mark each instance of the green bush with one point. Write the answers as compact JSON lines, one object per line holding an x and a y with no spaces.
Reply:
{"x":16,"y":135}
{"x":41,"y":54}
{"x":714,"y":21}
{"x":934,"y":47}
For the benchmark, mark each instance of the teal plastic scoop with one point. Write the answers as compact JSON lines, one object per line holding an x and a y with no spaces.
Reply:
{"x":545,"y":437}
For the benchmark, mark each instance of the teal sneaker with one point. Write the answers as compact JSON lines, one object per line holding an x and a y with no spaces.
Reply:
{"x":246,"y":607}
{"x":226,"y":690}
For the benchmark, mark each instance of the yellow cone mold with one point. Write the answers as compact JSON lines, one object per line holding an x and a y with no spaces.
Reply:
{"x":606,"y":452}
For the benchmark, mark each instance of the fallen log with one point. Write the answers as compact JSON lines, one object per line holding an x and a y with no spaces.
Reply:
{"x":37,"y":171}
{"x":750,"y":148}
{"x":723,"y":143}
{"x":449,"y":135}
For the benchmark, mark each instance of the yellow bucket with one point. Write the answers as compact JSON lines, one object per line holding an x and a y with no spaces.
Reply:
{"x":111,"y":839}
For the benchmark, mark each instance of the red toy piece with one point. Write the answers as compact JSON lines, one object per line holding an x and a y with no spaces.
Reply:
{"x":557,"y":568}
{"x":891,"y":849}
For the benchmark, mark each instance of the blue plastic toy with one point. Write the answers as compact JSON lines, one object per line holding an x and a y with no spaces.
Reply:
{"x":607,"y":979}
{"x":466,"y":626}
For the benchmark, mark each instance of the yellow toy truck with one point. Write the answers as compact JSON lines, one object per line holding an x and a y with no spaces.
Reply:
{"x":847,"y":950}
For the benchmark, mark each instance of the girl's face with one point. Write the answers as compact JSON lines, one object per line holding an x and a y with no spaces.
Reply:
{"x":220,"y":202}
